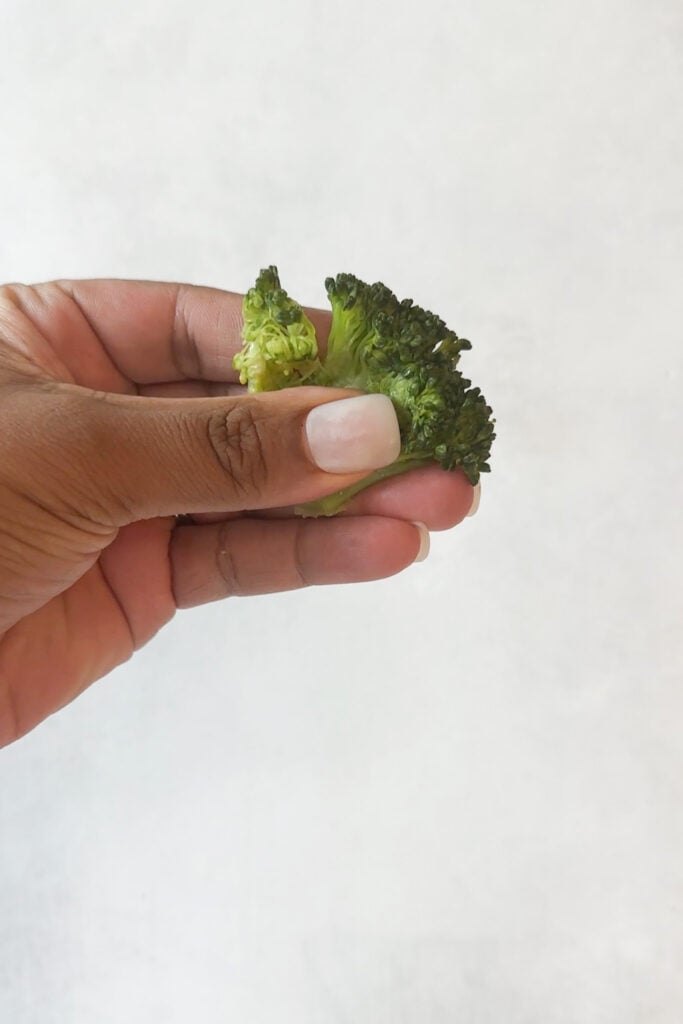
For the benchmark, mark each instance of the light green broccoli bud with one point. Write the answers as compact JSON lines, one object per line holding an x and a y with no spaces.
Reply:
{"x":280,"y":346}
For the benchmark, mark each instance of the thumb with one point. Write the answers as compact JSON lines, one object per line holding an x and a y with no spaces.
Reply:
{"x":146,"y":457}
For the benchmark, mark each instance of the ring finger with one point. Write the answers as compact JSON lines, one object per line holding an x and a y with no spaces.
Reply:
{"x":243,"y":557}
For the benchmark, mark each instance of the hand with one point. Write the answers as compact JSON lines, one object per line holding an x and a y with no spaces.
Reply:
{"x":119,"y":411}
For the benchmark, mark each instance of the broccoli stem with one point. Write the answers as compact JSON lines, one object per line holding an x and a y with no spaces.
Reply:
{"x":333,"y":503}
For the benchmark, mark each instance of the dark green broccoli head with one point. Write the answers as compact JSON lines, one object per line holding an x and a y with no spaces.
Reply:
{"x":380,"y":344}
{"x":376,"y":344}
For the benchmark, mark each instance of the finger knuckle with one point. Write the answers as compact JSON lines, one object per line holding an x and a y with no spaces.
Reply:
{"x":237,"y":438}
{"x":228,"y":565}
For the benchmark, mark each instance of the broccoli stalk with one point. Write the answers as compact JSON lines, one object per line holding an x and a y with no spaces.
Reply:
{"x":376,"y":344}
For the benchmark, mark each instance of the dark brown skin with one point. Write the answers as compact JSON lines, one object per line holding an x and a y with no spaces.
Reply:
{"x":120,"y":411}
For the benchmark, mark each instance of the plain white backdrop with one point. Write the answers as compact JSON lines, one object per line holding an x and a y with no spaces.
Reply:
{"x":455,"y":795}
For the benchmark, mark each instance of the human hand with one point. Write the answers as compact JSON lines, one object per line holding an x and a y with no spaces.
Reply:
{"x":119,"y":412}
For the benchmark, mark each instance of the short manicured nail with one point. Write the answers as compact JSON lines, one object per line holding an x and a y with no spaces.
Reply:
{"x":353,"y":435}
{"x":423,"y":550}
{"x":475,"y":500}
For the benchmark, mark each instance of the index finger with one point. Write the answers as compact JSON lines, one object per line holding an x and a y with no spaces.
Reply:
{"x":157,"y":332}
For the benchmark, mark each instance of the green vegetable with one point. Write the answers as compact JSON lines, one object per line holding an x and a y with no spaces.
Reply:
{"x":376,"y":344}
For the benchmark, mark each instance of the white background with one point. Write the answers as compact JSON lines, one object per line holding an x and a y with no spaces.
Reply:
{"x":452,"y":796}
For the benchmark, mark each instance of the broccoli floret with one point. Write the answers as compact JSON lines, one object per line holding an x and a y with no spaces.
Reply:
{"x":376,"y":344}
{"x":280,"y":347}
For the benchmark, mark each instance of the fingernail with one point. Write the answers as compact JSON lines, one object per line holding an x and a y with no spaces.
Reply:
{"x":475,"y":500}
{"x":423,"y":550}
{"x":354,"y":434}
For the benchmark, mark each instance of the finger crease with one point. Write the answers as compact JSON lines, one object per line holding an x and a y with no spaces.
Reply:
{"x":69,"y":290}
{"x":122,"y":609}
{"x":225,"y":563}
{"x":184,"y":349}
{"x":298,"y":560}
